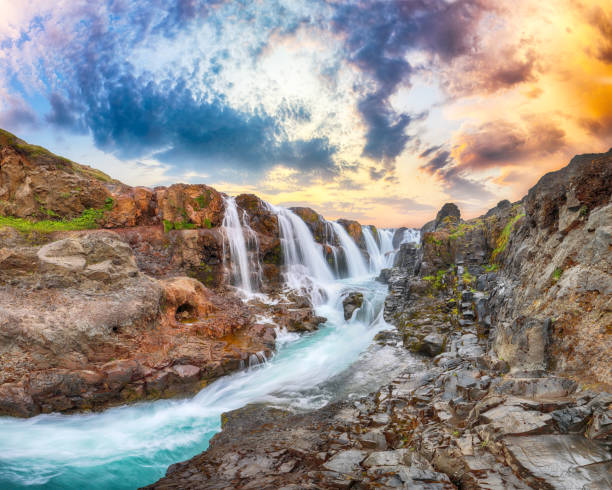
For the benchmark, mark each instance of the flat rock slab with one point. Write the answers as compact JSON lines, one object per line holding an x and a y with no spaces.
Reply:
{"x":560,"y":461}
{"x":513,"y":420}
{"x":346,"y":461}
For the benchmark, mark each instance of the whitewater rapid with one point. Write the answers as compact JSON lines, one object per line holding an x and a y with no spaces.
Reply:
{"x":131,"y":446}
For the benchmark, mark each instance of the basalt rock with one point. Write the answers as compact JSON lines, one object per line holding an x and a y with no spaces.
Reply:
{"x":353,"y":228}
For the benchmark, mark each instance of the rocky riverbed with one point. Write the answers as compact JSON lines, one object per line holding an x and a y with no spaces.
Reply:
{"x":511,"y":315}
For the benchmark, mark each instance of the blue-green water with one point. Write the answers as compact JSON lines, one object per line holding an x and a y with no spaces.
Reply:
{"x":132,"y":446}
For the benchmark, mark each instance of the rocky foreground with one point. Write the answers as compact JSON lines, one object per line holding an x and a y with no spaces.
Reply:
{"x":513,"y":313}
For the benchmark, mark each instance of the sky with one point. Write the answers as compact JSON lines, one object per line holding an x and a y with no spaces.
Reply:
{"x":379,"y":111}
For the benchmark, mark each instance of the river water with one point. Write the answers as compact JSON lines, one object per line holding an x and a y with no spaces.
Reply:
{"x":131,"y":446}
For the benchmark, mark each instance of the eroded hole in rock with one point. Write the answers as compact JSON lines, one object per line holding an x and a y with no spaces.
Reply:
{"x":186,"y":313}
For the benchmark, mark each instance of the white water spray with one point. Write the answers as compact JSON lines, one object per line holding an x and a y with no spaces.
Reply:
{"x":354,"y":259}
{"x":244,"y":269}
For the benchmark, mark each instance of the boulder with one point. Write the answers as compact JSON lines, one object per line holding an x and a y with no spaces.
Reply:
{"x":346,"y":462}
{"x":352,"y":302}
{"x":432,"y":344}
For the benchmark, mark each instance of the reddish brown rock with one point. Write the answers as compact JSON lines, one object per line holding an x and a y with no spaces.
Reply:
{"x":35,"y":183}
{"x":189,"y":206}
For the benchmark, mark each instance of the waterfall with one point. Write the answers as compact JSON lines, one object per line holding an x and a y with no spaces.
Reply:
{"x":411,"y":235}
{"x":386,"y":246}
{"x":377,"y":259}
{"x":243,"y":268}
{"x":305,"y":266}
{"x":354,"y":259}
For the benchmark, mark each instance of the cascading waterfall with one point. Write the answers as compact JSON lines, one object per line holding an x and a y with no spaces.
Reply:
{"x":377,"y":259}
{"x":131,"y":446}
{"x":305,"y":265}
{"x":411,"y":235}
{"x":354,"y":259}
{"x":244,"y":269}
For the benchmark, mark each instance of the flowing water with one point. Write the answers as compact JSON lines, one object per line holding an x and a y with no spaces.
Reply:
{"x":354,"y":258}
{"x":246,"y":272}
{"x":131,"y":446}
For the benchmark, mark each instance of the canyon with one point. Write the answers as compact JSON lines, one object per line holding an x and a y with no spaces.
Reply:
{"x":324,"y":354}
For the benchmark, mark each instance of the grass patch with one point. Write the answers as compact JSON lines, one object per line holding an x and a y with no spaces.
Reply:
{"x":178,"y":225}
{"x":87,"y":221}
{"x":504,"y":237}
{"x":557,"y":273}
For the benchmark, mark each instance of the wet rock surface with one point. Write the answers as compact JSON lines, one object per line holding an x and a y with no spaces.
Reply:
{"x":352,"y":302}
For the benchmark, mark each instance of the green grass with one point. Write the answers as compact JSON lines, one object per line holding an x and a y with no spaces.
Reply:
{"x":87,"y":221}
{"x":178,"y":225}
{"x":203,"y":200}
{"x":504,"y":237}
{"x":556,"y":275}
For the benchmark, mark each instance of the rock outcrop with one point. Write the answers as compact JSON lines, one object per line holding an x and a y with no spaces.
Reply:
{"x":140,"y":338}
{"x":352,"y":302}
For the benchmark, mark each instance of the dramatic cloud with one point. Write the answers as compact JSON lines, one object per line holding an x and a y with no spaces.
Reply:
{"x":379,"y":36}
{"x":501,"y":142}
{"x":402,"y":204}
{"x":179,"y":118}
{"x":375,"y":109}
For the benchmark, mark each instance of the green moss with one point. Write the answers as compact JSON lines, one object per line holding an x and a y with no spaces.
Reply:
{"x":584,"y":210}
{"x":433,"y":239}
{"x":88,"y":220}
{"x":178,"y":225}
{"x":203,"y":200}
{"x":556,"y":275}
{"x":184,"y":225}
{"x":109,"y":203}
{"x":65,"y":195}
{"x":458,"y":232}
{"x":491,"y":267}
{"x":504,"y":237}
{"x":207,"y":223}
{"x":49,"y":212}
{"x":468,"y":278}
